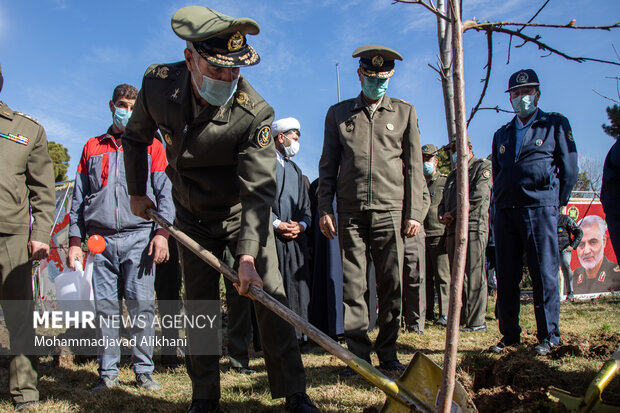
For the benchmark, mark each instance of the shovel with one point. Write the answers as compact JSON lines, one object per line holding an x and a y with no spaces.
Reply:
{"x":416,"y":391}
{"x":591,"y":401}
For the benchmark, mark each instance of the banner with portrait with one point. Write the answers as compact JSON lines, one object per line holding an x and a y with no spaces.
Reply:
{"x":594,"y":264}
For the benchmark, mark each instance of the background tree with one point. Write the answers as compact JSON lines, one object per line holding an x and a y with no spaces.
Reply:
{"x":613,"y":130}
{"x":60,"y":159}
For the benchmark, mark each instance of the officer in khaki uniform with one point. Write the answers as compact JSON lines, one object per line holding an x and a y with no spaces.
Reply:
{"x":414,"y":277}
{"x":372,"y":163}
{"x":27,"y":182}
{"x":222,"y":167}
{"x":475,"y":284}
{"x":437,"y":263}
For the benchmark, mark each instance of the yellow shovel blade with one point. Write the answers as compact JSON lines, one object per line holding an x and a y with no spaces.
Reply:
{"x":423,"y":379}
{"x":577,"y":403}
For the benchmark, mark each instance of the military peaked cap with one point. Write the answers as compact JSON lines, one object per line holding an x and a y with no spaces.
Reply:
{"x":377,"y":61}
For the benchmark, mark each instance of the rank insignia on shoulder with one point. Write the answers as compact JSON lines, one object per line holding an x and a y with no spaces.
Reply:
{"x":243,"y":99}
{"x":570,"y":136}
{"x":486,"y":174}
{"x":350,"y":127}
{"x":502,"y":149}
{"x":162,"y":72}
{"x":168,"y":139}
{"x":617,"y":268}
{"x":263,"y":136}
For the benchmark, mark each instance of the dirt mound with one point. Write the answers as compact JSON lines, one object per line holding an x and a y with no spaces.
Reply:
{"x":518,"y":381}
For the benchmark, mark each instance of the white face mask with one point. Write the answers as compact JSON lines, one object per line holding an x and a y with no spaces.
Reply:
{"x":216,"y":92}
{"x":291,"y":150}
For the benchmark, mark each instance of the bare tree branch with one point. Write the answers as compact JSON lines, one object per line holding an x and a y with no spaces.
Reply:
{"x":608,"y":98}
{"x":541,"y":45}
{"x":435,"y":69}
{"x":487,"y":77}
{"x":498,"y":110}
{"x":429,"y":7}
{"x":535,"y":14}
{"x":615,"y":51}
{"x":483,"y":25}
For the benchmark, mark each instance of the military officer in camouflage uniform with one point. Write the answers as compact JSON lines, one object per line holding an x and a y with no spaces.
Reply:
{"x":475,"y":284}
{"x":27,"y":184}
{"x":372,"y":163}
{"x":437,"y":264}
{"x":222,"y":166}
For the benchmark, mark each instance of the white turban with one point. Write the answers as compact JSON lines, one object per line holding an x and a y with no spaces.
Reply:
{"x":284,"y":125}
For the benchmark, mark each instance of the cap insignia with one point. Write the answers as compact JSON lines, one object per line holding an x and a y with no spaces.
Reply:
{"x":377,"y":61}
{"x":162,"y":72}
{"x":425,"y":149}
{"x":263,"y":136}
{"x":235,"y":42}
{"x":522,"y":77}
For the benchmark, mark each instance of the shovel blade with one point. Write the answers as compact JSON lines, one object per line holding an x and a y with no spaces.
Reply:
{"x":577,"y":403}
{"x":422,"y":378}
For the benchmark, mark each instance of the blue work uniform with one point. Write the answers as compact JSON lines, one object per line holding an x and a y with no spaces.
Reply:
{"x":530,"y":183}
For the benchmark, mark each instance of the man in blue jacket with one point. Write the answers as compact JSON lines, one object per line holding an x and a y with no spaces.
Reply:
{"x":534,"y":170}
{"x":100,"y":206}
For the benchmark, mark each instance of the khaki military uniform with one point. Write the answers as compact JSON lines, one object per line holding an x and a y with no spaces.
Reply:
{"x":437,"y":263}
{"x":372,"y":161}
{"x":475,"y":284}
{"x":222,"y":168}
{"x":414,"y":277}
{"x":27,"y":182}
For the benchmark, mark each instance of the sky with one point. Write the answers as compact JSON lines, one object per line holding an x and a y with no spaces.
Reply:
{"x":61,"y":60}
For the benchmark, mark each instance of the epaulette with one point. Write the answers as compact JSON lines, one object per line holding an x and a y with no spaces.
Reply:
{"x":244,"y":99}
{"x":342,"y":102}
{"x":401,"y":101}
{"x":163,"y":71}
{"x":28,"y":117}
{"x":556,"y":114}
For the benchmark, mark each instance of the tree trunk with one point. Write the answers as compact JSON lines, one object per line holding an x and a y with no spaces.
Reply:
{"x":444,"y":36}
{"x":462,"y":215}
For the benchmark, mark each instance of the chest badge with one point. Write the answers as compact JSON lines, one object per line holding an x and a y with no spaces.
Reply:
{"x":168,"y":139}
{"x":263,"y":136}
{"x":538,"y":142}
{"x":389,"y":126}
{"x":175,"y":95}
{"x":23,"y":140}
{"x":502,"y":149}
{"x":350,"y":127}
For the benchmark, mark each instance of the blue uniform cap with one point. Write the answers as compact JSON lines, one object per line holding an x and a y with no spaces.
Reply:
{"x":524,"y":77}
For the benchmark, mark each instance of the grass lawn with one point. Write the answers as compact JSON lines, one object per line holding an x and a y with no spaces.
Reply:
{"x":516,"y":381}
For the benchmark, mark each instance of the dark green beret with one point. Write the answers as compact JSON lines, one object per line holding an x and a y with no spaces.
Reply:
{"x":377,"y":61}
{"x":218,"y":38}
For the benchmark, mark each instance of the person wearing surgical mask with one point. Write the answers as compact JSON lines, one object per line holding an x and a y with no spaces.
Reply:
{"x":535,"y":166}
{"x":291,"y":217}
{"x":372,"y":165}
{"x":217,"y":129}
